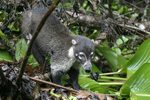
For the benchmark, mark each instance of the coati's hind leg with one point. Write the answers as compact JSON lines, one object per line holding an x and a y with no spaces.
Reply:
{"x":56,"y":77}
{"x":38,"y":56}
{"x":73,"y":74}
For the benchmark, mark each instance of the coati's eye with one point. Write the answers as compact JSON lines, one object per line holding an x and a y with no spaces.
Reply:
{"x":92,"y":55}
{"x":81,"y":55}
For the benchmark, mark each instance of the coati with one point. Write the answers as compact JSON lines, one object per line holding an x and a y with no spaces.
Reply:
{"x":67,"y":51}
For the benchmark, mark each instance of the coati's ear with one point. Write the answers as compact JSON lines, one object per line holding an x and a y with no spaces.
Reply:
{"x":74,"y":42}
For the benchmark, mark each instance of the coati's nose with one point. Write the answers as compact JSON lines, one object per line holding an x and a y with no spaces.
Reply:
{"x":87,"y":66}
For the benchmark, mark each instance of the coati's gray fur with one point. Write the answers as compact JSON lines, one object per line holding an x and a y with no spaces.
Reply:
{"x":67,"y":51}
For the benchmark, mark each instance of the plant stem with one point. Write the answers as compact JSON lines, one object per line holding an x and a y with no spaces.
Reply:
{"x":115,"y":78}
{"x":112,"y":83}
{"x":112,"y":73}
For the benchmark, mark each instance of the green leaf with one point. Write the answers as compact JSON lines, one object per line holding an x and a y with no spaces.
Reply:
{"x":5,"y":55}
{"x":117,"y":50}
{"x":141,"y":56}
{"x":121,"y":41}
{"x":32,"y":61}
{"x":85,"y":4}
{"x":2,"y":35}
{"x":110,"y":56}
{"x":120,"y":11}
{"x":123,"y":9}
{"x":12,"y":27}
{"x":105,"y":44}
{"x":94,"y":34}
{"x":95,"y":69}
{"x":89,"y":84}
{"x":121,"y":61}
{"x":139,"y":84}
{"x":21,"y":48}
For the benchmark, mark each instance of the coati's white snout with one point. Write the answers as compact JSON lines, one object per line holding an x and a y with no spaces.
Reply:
{"x":87,"y":66}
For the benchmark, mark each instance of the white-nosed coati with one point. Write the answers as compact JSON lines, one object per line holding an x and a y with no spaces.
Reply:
{"x":68,"y":51}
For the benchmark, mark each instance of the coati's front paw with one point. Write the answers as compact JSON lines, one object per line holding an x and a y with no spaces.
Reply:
{"x":77,"y":87}
{"x":95,"y":75}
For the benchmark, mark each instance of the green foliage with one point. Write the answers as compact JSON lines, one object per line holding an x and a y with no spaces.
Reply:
{"x":109,"y":55}
{"x":138,"y":84}
{"x":2,"y":14}
{"x":123,"y":9}
{"x":68,"y":4}
{"x":72,"y":97}
{"x":121,"y":41}
{"x":5,"y":55}
{"x":21,"y":48}
{"x":74,"y":30}
{"x":2,"y":36}
{"x":91,"y":85}
{"x":11,"y":26}
{"x":94,"y":34}
{"x":85,"y":4}
{"x":141,"y":56}
{"x":137,"y":68}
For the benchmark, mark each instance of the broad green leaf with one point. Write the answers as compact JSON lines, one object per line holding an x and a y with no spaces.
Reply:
{"x":21,"y":48}
{"x":87,"y":83}
{"x":5,"y":55}
{"x":139,"y":84}
{"x":105,"y":44}
{"x":110,"y":56}
{"x":121,"y":61}
{"x":95,"y":69}
{"x":141,"y":56}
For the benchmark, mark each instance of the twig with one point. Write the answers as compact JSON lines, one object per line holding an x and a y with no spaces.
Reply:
{"x":33,"y":39}
{"x":9,"y":62}
{"x":53,"y":84}
{"x":110,"y":9}
{"x":138,"y":29}
{"x":129,"y":29}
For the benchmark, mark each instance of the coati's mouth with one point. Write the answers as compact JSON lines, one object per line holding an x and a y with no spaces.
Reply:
{"x":88,"y":71}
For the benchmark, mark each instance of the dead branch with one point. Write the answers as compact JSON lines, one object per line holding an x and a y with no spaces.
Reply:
{"x":86,"y":20}
{"x":53,"y":84}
